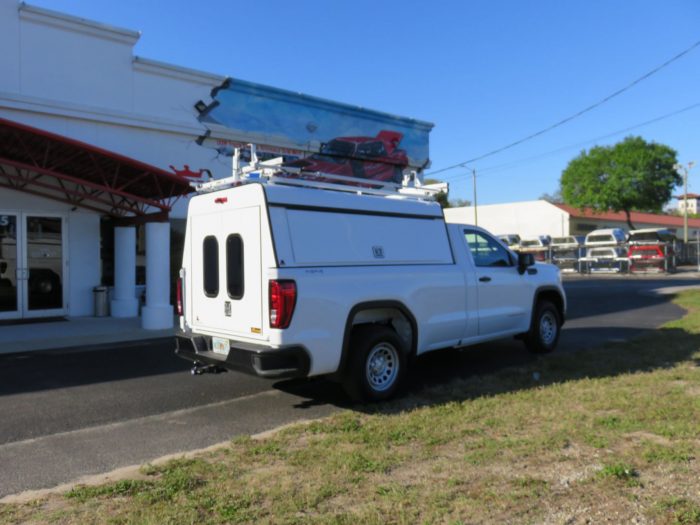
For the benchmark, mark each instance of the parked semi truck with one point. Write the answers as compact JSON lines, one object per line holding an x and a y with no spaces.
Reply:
{"x":280,"y":280}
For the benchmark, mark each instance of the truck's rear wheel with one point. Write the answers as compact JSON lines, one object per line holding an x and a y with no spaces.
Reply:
{"x":544,"y":331}
{"x":376,"y":365}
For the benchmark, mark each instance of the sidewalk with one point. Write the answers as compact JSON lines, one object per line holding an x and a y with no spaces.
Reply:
{"x":74,"y":332}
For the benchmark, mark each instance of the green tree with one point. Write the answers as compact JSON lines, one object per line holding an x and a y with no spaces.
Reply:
{"x":554,"y":198}
{"x":443,"y":200}
{"x":441,"y":197}
{"x":631,"y":175}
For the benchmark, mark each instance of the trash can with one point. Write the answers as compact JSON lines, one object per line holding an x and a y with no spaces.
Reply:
{"x":101,"y":302}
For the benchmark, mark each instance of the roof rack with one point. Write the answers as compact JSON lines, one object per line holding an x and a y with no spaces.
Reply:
{"x":273,"y":171}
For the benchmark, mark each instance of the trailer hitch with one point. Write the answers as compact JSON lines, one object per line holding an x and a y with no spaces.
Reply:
{"x":200,"y":368}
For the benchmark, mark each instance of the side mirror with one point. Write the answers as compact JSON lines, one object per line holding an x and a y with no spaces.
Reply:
{"x":525,"y":260}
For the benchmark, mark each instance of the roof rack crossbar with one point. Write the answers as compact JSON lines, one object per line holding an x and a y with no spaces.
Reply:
{"x":273,"y":171}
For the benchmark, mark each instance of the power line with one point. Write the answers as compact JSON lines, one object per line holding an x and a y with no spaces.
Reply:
{"x":575,"y":115}
{"x":501,"y":167}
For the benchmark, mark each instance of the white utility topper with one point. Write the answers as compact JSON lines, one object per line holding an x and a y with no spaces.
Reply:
{"x":295,"y":274}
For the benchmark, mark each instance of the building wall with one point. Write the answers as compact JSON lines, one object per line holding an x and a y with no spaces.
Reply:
{"x":75,"y":63}
{"x":582,"y":226}
{"x":9,"y":39}
{"x":80,"y":79}
{"x":527,"y":219}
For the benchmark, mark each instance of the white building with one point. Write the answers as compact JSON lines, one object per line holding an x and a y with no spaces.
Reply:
{"x":533,"y":218}
{"x":96,"y":144}
{"x":691,"y":199}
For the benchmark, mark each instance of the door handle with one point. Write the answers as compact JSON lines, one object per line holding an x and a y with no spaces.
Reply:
{"x":484,"y":279}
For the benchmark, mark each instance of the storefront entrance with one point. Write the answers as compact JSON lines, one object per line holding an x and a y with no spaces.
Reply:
{"x":33,"y":265}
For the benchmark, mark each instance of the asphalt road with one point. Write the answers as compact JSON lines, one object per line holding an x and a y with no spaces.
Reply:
{"x":69,"y":414}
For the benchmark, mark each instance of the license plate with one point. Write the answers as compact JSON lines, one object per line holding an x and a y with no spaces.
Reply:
{"x":220,"y":345}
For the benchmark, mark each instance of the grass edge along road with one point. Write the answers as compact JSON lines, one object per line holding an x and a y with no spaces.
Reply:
{"x":608,"y":435}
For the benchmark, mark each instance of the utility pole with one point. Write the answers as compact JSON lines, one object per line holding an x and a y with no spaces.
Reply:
{"x":476,"y":220}
{"x":685,"y":169}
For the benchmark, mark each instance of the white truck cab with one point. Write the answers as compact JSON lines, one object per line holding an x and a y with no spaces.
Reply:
{"x":285,"y":281}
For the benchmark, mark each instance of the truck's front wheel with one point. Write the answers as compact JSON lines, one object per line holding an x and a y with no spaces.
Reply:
{"x":544,"y":331}
{"x":376,"y":365}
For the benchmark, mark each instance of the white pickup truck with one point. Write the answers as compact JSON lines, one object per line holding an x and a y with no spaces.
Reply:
{"x":284,"y":281}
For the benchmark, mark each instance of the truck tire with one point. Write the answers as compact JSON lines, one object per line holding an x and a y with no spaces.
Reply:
{"x":544,"y":331}
{"x":376,"y":364}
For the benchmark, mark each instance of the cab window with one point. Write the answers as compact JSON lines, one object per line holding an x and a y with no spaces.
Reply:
{"x":487,"y":251}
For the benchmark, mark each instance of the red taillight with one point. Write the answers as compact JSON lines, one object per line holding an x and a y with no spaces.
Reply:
{"x":178,"y":296}
{"x":283,"y":298}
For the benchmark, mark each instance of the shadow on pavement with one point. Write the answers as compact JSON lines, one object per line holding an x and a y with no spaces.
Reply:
{"x":35,"y":371}
{"x":620,"y":294}
{"x":489,"y":369}
{"x":40,"y":371}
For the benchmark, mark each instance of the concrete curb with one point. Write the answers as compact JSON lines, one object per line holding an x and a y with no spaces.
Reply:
{"x":132,"y":471}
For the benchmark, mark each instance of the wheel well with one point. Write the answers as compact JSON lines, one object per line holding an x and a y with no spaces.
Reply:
{"x":391,"y":317}
{"x":553,"y":297}
{"x":391,"y":314}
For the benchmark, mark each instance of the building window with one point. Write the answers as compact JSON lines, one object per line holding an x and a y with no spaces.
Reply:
{"x":234,"y":266}
{"x":210,"y":259}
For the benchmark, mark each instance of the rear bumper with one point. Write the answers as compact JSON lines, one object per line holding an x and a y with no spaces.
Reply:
{"x":260,"y":360}
{"x":649,"y":265}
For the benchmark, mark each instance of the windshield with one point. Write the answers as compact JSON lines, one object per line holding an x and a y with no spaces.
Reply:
{"x":339,"y":147}
{"x":646,"y":236}
{"x":601,"y":238}
{"x":371,"y":149}
{"x":646,"y":250}
{"x":526,"y":244}
{"x":603,"y":253}
{"x":654,"y":237}
{"x":563,"y":240}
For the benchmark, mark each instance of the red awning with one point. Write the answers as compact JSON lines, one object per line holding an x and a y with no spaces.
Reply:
{"x":63,"y":169}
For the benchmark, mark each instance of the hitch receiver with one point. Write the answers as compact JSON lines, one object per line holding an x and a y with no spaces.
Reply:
{"x":200,"y":368}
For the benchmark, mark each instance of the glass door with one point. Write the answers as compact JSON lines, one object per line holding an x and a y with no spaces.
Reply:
{"x":10,"y":273}
{"x":44,"y":268}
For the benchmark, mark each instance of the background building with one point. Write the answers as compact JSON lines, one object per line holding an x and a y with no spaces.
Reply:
{"x":532,"y":218}
{"x":692,"y":199}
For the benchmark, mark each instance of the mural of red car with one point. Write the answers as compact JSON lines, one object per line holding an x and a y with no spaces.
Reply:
{"x":376,"y":158}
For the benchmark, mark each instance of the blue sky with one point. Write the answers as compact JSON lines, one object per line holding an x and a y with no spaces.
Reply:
{"x":485,"y":72}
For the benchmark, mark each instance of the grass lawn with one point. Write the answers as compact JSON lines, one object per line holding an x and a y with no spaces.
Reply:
{"x":610,"y":435}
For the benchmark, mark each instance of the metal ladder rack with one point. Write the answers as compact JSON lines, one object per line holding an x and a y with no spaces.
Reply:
{"x":273,"y":171}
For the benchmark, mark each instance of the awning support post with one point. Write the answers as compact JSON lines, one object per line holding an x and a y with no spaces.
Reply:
{"x":124,"y":301}
{"x":158,"y":312}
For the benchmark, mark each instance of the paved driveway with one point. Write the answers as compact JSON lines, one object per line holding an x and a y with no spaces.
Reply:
{"x":69,"y":414}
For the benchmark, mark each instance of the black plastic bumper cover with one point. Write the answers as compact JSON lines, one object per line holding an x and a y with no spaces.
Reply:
{"x":260,"y":360}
